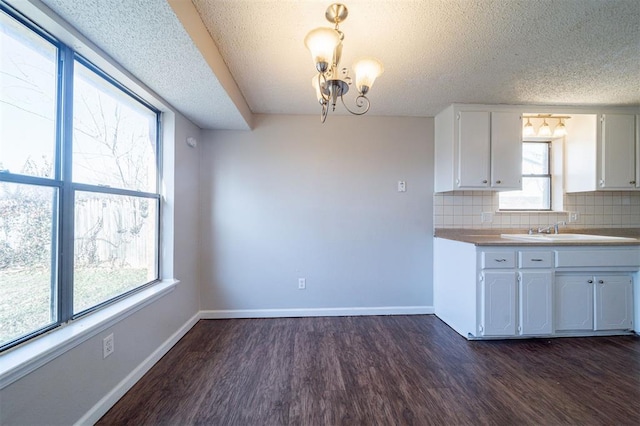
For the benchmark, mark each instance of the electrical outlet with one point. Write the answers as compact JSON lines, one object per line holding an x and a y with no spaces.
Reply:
{"x":402,"y":186}
{"x":573,"y":217}
{"x":107,"y":346}
{"x":486,"y":217}
{"x":302,"y":283}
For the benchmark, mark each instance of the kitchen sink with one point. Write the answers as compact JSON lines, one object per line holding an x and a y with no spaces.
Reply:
{"x":565,"y":237}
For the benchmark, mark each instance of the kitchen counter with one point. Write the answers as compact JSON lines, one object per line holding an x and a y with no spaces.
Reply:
{"x":492,"y":237}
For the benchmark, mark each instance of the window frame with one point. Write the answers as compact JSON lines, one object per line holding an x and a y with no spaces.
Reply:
{"x":548,"y":175}
{"x":62,"y":237}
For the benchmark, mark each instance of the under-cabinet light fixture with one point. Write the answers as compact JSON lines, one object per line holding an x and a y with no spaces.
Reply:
{"x":560,"y":130}
{"x":528,"y":129}
{"x":544,"y":131}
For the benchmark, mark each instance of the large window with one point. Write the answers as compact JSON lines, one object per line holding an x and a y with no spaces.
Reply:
{"x":79,"y":202}
{"x":536,"y":180}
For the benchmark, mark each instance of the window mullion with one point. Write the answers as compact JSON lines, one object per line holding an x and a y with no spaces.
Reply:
{"x":65,"y":145}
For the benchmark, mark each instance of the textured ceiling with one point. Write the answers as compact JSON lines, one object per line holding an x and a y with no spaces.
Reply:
{"x":438,"y":52}
{"x":565,"y":52}
{"x":148,"y":40}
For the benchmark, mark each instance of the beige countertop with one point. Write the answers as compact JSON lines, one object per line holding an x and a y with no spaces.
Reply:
{"x":491,"y":237}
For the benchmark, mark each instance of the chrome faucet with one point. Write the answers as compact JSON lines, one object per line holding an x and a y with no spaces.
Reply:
{"x":555,"y":227}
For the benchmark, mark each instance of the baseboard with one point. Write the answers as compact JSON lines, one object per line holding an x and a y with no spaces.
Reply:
{"x":100,"y":409}
{"x":315,"y":312}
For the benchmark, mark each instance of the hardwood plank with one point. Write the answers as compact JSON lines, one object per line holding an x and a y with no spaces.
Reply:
{"x":401,"y":370}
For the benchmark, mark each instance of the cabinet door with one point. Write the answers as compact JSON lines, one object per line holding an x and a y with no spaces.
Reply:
{"x":536,"y":309}
{"x":498,"y":304}
{"x":506,"y":150}
{"x":638,"y":151}
{"x":473,"y":149}
{"x":613,"y":307}
{"x":618,"y":152}
{"x":574,"y":302}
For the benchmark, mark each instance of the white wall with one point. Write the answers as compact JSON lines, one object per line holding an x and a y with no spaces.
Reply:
{"x":70,"y":386}
{"x":295,"y":198}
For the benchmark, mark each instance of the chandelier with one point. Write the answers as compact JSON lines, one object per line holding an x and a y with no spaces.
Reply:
{"x":332,"y":82}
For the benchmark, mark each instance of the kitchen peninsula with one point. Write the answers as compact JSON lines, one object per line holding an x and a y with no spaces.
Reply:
{"x":488,"y":284}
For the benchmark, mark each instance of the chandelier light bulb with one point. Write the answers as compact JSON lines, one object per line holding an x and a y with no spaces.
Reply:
{"x":322,"y":43}
{"x":367,"y":70}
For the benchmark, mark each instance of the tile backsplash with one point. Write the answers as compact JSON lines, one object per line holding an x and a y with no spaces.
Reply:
{"x":465,"y":209}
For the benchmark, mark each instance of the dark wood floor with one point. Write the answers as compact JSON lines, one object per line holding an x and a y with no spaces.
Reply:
{"x":390,"y":370}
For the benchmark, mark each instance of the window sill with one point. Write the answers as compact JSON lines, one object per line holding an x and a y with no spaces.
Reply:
{"x":23,"y":359}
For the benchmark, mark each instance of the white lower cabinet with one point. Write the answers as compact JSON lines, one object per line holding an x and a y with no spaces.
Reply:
{"x":536,"y":303}
{"x":594,"y":302}
{"x":574,"y":302}
{"x":515,"y":301}
{"x":613,"y":302}
{"x":498,"y":304}
{"x":535,"y":291}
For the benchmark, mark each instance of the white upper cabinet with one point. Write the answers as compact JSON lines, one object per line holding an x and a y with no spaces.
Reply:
{"x":477,"y":149}
{"x":618,"y":151}
{"x":638,"y":151}
{"x":473,"y":149}
{"x":506,"y":150}
{"x":603,"y":155}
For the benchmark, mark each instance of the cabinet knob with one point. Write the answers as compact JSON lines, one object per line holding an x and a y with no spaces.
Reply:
{"x":600,"y":282}
{"x":590,"y":281}
{"x":633,"y":182}
{"x":484,"y":181}
{"x":498,"y":181}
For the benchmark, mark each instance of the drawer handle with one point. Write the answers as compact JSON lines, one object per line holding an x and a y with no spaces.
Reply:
{"x":600,"y":282}
{"x":536,"y":260}
{"x":590,"y":281}
{"x":500,"y":260}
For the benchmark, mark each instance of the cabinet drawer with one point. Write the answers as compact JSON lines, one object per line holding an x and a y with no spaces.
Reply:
{"x":498,"y":259}
{"x":603,"y":257}
{"x":535,"y":259}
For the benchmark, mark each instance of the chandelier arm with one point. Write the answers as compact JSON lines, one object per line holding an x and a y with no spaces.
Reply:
{"x":323,"y":79}
{"x":361,"y":102}
{"x":325,"y":112}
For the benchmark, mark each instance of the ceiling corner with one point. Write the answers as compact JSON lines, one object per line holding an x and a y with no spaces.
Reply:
{"x":190,"y":19}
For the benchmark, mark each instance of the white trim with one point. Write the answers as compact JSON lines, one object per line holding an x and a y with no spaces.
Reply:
{"x":316,"y":312}
{"x":109,"y":400}
{"x":23,"y":359}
